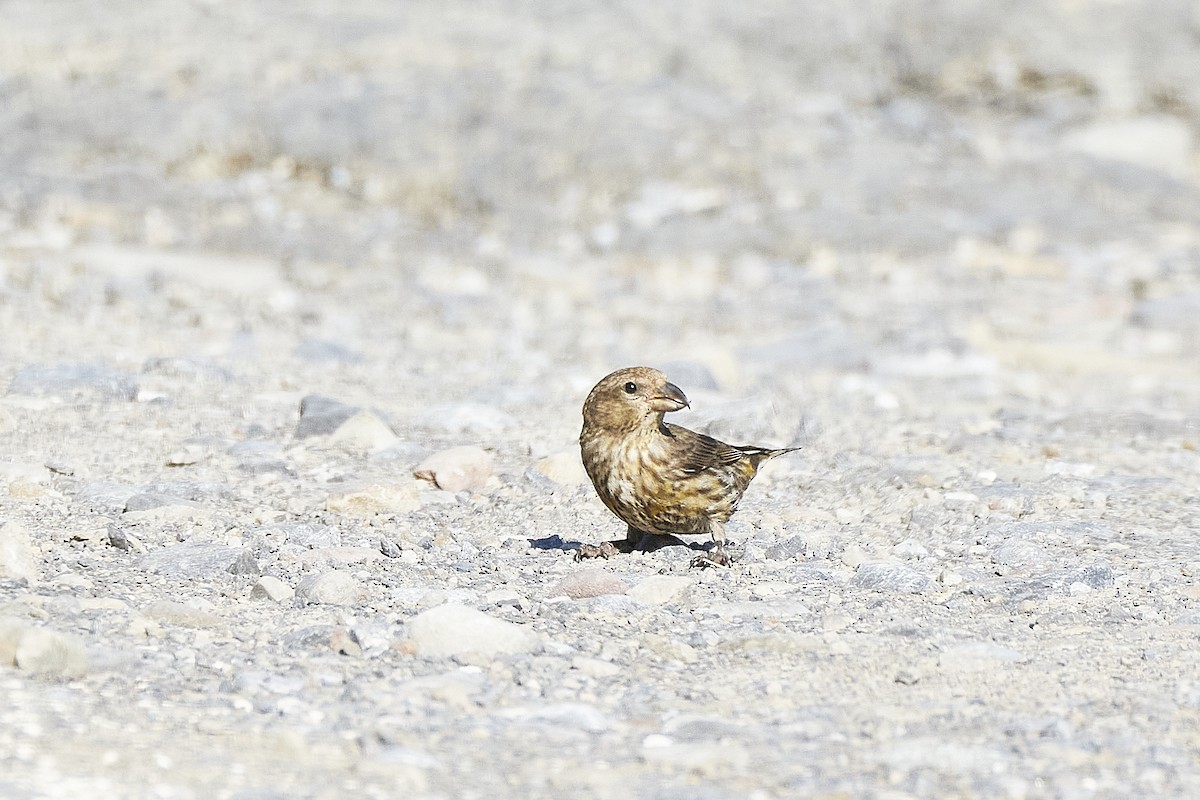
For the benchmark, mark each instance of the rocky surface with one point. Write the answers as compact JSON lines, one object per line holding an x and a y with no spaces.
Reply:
{"x":262,"y":266}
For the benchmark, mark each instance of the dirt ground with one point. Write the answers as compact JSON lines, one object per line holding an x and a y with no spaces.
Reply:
{"x":951,"y":249}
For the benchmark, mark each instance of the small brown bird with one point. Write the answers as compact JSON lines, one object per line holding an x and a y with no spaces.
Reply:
{"x":657,"y":477}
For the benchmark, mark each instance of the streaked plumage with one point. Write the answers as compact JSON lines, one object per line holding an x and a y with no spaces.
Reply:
{"x":655,"y":476}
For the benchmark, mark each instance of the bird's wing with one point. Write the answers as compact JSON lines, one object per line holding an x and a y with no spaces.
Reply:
{"x":698,"y":452}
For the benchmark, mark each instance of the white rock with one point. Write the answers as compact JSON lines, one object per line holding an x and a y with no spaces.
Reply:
{"x":457,"y":469}
{"x":271,"y":588}
{"x":453,"y":629}
{"x":335,"y":588}
{"x":587,"y":583}
{"x":17,"y":557}
{"x":365,"y":431}
{"x":564,"y":467}
{"x":368,"y":501}
{"x":660,"y":589}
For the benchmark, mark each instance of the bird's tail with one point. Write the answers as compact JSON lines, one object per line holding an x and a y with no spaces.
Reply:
{"x":758,"y":455}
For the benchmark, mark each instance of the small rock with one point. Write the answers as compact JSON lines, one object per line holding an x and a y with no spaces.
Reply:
{"x":322,"y":416}
{"x":389,"y":547}
{"x":908,"y":677}
{"x":366,"y":431}
{"x":181,"y":614}
{"x":119,"y":537}
{"x":245,"y":564}
{"x":41,"y":651}
{"x":72,"y":382}
{"x":450,"y":629}
{"x":17,"y":557}
{"x":564,"y":467}
{"x":343,"y":643}
{"x":853,"y":555}
{"x":587,"y":583}
{"x":145,"y":501}
{"x":457,"y":469}
{"x":102,"y":496}
{"x":891,"y":576}
{"x":368,"y":501}
{"x":910,"y":548}
{"x":789,"y":548}
{"x":335,"y":588}
{"x":660,"y":589}
{"x":191,"y":560}
{"x":271,"y":588}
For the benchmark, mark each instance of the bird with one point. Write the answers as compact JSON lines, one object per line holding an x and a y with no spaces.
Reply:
{"x":660,"y":478}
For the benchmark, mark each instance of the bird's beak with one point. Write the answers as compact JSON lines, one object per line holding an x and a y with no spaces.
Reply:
{"x":670,"y":398}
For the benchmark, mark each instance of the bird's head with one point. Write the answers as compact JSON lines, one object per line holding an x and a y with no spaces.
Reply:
{"x":630,"y":398}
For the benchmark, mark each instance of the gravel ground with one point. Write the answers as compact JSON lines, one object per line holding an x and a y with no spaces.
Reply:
{"x":299,"y":306}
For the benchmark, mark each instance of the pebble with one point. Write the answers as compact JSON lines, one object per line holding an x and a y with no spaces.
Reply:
{"x":191,"y":560}
{"x":587,"y":583}
{"x":564,"y":467}
{"x":452,"y":629}
{"x":788,"y":549}
{"x":334,"y":588}
{"x":365,"y":431}
{"x":891,"y":576}
{"x":661,"y":589}
{"x":18,"y":560}
{"x":74,"y":382}
{"x":457,"y":469}
{"x":370,"y":501}
{"x":174,"y":613}
{"x":322,"y":416}
{"x":910,"y":548}
{"x":269,"y":587}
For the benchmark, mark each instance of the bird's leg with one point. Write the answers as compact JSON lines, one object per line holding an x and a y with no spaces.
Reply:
{"x":715,"y":557}
{"x":609,"y":549}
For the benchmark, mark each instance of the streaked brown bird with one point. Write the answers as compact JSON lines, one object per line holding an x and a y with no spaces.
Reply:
{"x":657,"y":477}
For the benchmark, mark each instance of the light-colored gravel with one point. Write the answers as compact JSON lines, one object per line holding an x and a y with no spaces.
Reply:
{"x":952,"y":249}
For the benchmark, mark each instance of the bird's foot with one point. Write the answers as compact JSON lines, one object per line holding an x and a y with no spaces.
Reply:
{"x":717,"y":557}
{"x":602,"y":550}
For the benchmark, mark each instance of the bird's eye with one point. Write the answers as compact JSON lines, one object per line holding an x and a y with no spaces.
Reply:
{"x":630,"y":387}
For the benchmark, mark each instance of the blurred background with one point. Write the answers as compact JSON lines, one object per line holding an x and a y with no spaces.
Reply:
{"x":440,"y":198}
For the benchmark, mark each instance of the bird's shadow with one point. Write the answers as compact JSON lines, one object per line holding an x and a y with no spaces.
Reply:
{"x":648,"y":543}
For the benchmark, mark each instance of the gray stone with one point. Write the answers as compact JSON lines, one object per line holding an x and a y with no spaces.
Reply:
{"x":792,"y":547}
{"x":191,"y":560}
{"x":104,"y":496}
{"x":73,"y":382}
{"x":321,"y":416}
{"x":891,"y":576}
